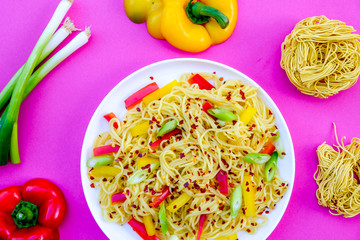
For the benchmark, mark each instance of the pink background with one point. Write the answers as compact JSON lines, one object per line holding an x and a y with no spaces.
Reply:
{"x":53,"y":119}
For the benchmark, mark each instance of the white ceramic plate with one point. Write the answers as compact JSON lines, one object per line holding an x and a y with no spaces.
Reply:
{"x":164,"y":72}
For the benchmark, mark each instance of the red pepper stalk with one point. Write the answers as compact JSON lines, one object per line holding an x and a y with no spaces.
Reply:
{"x":32,"y":211}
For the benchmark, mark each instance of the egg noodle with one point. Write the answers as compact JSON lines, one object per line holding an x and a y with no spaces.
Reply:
{"x":190,"y":161}
{"x":338,"y":188}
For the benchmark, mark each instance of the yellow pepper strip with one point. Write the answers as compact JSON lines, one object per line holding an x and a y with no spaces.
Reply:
{"x":161,"y":92}
{"x":248,"y":190}
{"x":149,"y":225}
{"x":140,"y":129}
{"x":178,"y":203}
{"x":231,"y":237}
{"x":141,"y":162}
{"x":105,"y":171}
{"x":247,"y":115}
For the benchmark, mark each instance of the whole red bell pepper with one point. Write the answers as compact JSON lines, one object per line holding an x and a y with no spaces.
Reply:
{"x":32,"y":211}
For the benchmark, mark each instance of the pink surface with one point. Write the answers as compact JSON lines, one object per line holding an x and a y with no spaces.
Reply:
{"x":54,"y":117}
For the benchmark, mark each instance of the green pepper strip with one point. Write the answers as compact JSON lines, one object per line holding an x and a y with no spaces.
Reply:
{"x":271,"y":166}
{"x":200,"y":14}
{"x":235,"y":202}
{"x":163,"y":219}
{"x":167,"y":127}
{"x":222,"y":114}
{"x":257,"y":158}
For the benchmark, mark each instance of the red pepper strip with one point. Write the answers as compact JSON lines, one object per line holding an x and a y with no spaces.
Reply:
{"x":137,"y":97}
{"x":205,"y":107}
{"x":269,"y":148}
{"x":167,"y":136}
{"x":105,"y":150}
{"x":140,"y":229}
{"x":36,"y":232}
{"x":223,"y":182}
{"x":110,"y":116}
{"x":201,"y":225}
{"x":202,"y":82}
{"x":118,"y":198}
{"x":159,"y":199}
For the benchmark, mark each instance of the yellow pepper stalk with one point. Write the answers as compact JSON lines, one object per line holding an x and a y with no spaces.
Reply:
{"x":178,"y":203}
{"x":140,"y":129}
{"x":188,"y":25}
{"x":105,"y":171}
{"x":141,"y":162}
{"x":149,"y":225}
{"x":161,"y":92}
{"x":247,"y":115}
{"x":231,"y":237}
{"x":248,"y":190}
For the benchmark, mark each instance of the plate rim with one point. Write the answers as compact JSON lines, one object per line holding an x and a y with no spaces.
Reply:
{"x":84,"y":178}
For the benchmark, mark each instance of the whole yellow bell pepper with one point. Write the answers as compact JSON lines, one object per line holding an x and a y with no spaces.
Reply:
{"x":188,"y":25}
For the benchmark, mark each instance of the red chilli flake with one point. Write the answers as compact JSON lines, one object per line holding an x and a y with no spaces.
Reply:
{"x":186,"y":184}
{"x":146,"y":167}
{"x":146,"y":189}
{"x":151,"y":77}
{"x":92,"y":185}
{"x":92,"y":178}
{"x":182,"y":155}
{"x":153,"y":192}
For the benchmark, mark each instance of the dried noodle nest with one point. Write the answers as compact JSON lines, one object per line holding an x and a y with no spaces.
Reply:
{"x":321,"y":56}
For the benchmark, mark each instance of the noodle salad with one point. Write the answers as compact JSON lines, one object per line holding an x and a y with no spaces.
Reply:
{"x":195,"y":159}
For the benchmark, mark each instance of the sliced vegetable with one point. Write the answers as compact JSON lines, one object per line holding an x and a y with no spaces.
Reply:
{"x":140,"y":129}
{"x":105,"y":149}
{"x":110,"y":116}
{"x":141,"y":162}
{"x":178,"y":202}
{"x":231,"y":237}
{"x":247,"y":115}
{"x":279,"y":146}
{"x":149,"y":225}
{"x":118,"y":198}
{"x":14,"y":145}
{"x":105,"y":171}
{"x":99,"y":161}
{"x":270,"y":167}
{"x":235,"y":202}
{"x":223,"y":182}
{"x":202,"y":82}
{"x":205,"y":107}
{"x":173,"y":237}
{"x":269,"y":148}
{"x":138,"y":96}
{"x":142,"y":173}
{"x":257,"y":158}
{"x":248,"y":190}
{"x":163,"y":220}
{"x":140,"y":229}
{"x":201,"y":225}
{"x":167,"y":127}
{"x":222,"y":114}
{"x":161,"y":92}
{"x":159,"y":199}
{"x":167,"y":136}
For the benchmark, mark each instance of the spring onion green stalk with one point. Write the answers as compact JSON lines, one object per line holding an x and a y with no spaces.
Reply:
{"x":163,"y":219}
{"x":271,"y":166}
{"x":10,"y":115}
{"x":60,"y":35}
{"x":222,"y":114}
{"x":235,"y":202}
{"x":167,"y":127}
{"x":280,"y":149}
{"x":257,"y":158}
{"x":99,"y":161}
{"x":14,"y":146}
{"x":41,"y":72}
{"x":141,"y":174}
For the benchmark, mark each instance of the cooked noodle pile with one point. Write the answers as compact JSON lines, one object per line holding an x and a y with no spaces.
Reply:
{"x":337,"y":176}
{"x":189,"y":162}
{"x":321,"y":56}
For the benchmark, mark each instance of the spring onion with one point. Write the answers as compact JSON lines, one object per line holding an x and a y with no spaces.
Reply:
{"x":10,"y":115}
{"x":163,"y":219}
{"x":14,"y":146}
{"x":141,"y":174}
{"x":280,"y":149}
{"x":99,"y":161}
{"x":173,"y":237}
{"x":222,"y":114}
{"x":270,"y":167}
{"x":257,"y":158}
{"x":235,"y":202}
{"x":167,"y":127}
{"x":60,"y":35}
